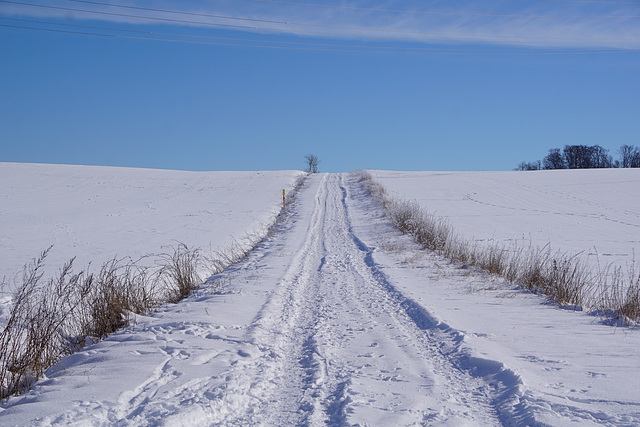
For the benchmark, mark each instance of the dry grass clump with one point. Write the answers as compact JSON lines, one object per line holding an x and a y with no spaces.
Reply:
{"x":629,"y":306}
{"x":233,"y":254}
{"x":35,"y":335}
{"x":565,"y":278}
{"x":619,"y":291}
{"x":428,"y":230}
{"x":52,"y":319}
{"x":373,"y":188}
{"x":120,"y":288}
{"x":180,"y":271}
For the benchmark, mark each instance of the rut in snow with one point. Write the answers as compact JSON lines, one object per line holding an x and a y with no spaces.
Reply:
{"x":341,"y":345}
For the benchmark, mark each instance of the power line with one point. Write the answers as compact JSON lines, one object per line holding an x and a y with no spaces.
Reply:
{"x":92,"y":27}
{"x":417,"y":35}
{"x":486,"y":15}
{"x":591,"y":1}
{"x":458,"y":53}
{"x":199,"y":42}
{"x":69,"y":9}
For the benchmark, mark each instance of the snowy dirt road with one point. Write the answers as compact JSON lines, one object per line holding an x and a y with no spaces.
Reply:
{"x":337,"y":344}
{"x":316,"y":329}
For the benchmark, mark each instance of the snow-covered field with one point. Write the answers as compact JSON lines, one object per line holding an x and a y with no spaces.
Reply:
{"x":337,"y":319}
{"x":97,"y":213}
{"x":592,"y":212}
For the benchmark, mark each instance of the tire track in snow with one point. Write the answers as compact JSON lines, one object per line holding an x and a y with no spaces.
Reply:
{"x":345,"y":347}
{"x":487,"y":381}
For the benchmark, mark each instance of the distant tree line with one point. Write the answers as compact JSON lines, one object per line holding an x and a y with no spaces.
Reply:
{"x":585,"y":157}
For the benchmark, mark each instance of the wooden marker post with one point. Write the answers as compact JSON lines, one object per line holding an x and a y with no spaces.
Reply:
{"x":284,"y":203}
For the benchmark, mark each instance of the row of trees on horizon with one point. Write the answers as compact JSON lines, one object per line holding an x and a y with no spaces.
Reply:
{"x":585,"y":157}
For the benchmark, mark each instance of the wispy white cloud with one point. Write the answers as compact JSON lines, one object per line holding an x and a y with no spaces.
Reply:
{"x":535,"y":23}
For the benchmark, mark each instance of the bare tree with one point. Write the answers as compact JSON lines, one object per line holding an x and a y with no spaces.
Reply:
{"x":554,"y":160}
{"x":529,"y":166}
{"x":312,"y":163}
{"x":626,"y":152}
{"x":600,"y":157}
{"x":630,"y":156}
{"x":635,"y":160}
{"x":578,"y":156}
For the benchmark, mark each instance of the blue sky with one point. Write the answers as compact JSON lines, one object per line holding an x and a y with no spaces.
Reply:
{"x":400,"y":85}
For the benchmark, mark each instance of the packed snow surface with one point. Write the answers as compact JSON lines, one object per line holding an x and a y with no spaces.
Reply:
{"x":337,"y":319}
